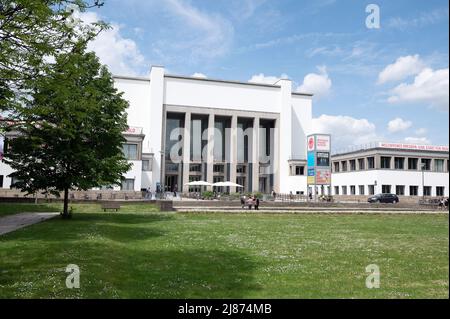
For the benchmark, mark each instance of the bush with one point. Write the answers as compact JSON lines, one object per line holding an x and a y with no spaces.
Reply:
{"x":208,"y":195}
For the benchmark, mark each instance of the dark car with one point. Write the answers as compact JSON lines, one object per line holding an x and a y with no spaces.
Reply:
{"x":383,"y":198}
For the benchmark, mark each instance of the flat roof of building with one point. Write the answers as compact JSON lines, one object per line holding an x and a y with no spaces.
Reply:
{"x":392,"y":147}
{"x":138,"y":78}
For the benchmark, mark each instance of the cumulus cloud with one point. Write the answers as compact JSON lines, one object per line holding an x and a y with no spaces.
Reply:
{"x":199,"y":75}
{"x":345,"y":130}
{"x":317,"y":83}
{"x":266,"y":79}
{"x":398,"y":125}
{"x":417,"y":140}
{"x":403,"y":67}
{"x":121,"y":55}
{"x":429,"y":86}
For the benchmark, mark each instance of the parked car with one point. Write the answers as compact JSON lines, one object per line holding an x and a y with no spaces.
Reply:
{"x":383,"y":198}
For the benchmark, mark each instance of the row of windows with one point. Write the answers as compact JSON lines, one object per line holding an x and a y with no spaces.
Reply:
{"x":387,"y":163}
{"x":399,"y":190}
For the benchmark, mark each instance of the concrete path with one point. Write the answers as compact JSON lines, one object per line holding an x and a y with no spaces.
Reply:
{"x":13,"y":222}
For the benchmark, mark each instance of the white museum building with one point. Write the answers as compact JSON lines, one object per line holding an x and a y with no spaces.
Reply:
{"x":185,"y":129}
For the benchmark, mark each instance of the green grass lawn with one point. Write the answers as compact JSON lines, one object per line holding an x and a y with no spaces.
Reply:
{"x":140,"y":253}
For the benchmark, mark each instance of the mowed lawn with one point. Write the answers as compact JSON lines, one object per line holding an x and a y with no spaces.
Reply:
{"x":141,"y":253}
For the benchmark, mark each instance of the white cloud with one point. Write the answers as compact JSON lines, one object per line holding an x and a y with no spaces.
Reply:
{"x":417,"y":140}
{"x":317,"y":83}
{"x":345,"y":130}
{"x":429,"y":86}
{"x":398,"y":125}
{"x":421,"y":131}
{"x":424,"y":19}
{"x":201,"y":34}
{"x":121,"y":55}
{"x":199,"y":75}
{"x":403,"y":67}
{"x":266,"y":79}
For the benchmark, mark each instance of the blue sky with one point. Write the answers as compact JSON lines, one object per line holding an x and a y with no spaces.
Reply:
{"x":386,"y":84}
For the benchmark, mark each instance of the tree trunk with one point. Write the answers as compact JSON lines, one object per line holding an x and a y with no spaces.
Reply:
{"x":66,"y":203}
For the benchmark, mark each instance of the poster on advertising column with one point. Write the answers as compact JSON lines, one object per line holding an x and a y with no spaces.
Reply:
{"x":318,"y":159}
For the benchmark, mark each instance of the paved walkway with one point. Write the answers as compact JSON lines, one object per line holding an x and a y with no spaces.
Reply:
{"x":13,"y":222}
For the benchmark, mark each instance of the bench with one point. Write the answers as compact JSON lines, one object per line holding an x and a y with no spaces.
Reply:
{"x":110,"y":205}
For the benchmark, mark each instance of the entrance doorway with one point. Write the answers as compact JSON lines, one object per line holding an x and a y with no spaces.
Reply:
{"x":170,"y":182}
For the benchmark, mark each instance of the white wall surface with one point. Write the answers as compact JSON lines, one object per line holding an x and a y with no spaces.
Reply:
{"x":200,"y":93}
{"x":390,"y":177}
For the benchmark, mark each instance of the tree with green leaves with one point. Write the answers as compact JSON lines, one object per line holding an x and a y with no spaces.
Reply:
{"x":31,"y":33}
{"x":68,"y":133}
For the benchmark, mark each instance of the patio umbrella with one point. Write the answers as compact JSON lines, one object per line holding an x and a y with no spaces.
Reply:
{"x":198,"y":183}
{"x":226,"y":184}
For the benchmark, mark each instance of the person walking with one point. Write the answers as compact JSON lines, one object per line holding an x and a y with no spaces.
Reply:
{"x":175,"y":190}
{"x":256,"y":203}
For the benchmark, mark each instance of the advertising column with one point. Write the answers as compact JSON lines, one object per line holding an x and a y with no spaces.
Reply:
{"x":319,"y":165}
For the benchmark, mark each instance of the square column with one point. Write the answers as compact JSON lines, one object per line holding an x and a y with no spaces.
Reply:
{"x":255,"y":155}
{"x":233,"y":151}
{"x":276,"y":157}
{"x":186,"y":150}
{"x":210,"y":150}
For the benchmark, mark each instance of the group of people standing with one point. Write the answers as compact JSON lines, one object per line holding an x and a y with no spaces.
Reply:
{"x":250,"y":202}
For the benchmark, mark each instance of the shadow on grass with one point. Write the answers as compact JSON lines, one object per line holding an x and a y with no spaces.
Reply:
{"x":94,"y":227}
{"x":128,"y":272}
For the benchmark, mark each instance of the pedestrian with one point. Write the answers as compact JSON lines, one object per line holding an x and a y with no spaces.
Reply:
{"x":243,"y":201}
{"x":175,"y":189}
{"x":256,"y":203}
{"x":310,"y":195}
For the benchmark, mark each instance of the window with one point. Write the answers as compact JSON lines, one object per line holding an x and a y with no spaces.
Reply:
{"x":361,"y":163}
{"x":130,"y":151}
{"x":385,"y":162}
{"x":438,"y":165}
{"x":427,"y":191}
{"x":425,"y":164}
{"x":371,"y":189}
{"x":218,"y":168}
{"x":353,"y":165}
{"x":413,"y":190}
{"x":147,"y":165}
{"x":370,"y":162}
{"x":344,"y":166}
{"x":400,"y":189}
{"x":385,"y":189}
{"x":412,"y":163}
{"x":352,"y":190}
{"x":399,"y":162}
{"x":344,"y":190}
{"x":440,"y":190}
{"x":361,"y":189}
{"x":1,"y":181}
{"x":323,"y":159}
{"x":127,"y":184}
{"x":241,"y":169}
{"x":299,"y":170}
{"x":336,"y":167}
{"x":336,"y":190}
{"x":195,"y":167}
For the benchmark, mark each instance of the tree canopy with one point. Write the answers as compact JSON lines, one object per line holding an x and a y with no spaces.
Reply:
{"x":31,"y":33}
{"x":68,"y":133}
